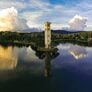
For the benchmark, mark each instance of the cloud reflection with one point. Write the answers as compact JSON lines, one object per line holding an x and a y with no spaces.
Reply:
{"x":27,"y":54}
{"x":8,"y":58}
{"x":77,"y":51}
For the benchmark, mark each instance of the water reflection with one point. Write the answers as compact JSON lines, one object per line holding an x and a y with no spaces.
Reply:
{"x":47,"y":65}
{"x":27,"y":54}
{"x":47,"y":56}
{"x":68,"y":75}
{"x":77,"y":51}
{"x":8,"y":59}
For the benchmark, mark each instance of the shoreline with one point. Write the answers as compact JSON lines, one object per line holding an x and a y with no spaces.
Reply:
{"x":55,"y":42}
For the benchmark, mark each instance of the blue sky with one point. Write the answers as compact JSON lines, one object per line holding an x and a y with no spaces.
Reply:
{"x":65,"y":2}
{"x":59,"y":12}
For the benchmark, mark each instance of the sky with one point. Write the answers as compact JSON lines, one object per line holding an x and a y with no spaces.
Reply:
{"x":63,"y":14}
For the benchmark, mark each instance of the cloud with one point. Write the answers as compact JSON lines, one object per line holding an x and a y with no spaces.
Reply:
{"x":32,"y":19}
{"x":19,"y":4}
{"x":40,"y":4}
{"x":36,"y":12}
{"x":77,"y":23}
{"x":59,"y":13}
{"x":9,"y":20}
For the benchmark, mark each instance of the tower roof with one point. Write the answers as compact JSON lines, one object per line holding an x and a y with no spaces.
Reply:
{"x":47,"y":22}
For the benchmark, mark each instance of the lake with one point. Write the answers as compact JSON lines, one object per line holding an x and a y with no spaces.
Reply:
{"x":23,"y":69}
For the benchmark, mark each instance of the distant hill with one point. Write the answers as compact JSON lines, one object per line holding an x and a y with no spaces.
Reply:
{"x":54,"y":31}
{"x":65,"y":31}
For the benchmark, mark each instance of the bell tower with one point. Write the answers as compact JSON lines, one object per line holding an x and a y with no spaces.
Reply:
{"x":47,"y":27}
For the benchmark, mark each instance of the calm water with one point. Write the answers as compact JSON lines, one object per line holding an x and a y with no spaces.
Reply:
{"x":22,"y":70}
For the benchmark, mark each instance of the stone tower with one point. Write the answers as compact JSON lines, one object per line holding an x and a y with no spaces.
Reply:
{"x":47,"y":28}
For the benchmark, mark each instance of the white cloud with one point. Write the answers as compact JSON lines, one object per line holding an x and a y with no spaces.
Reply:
{"x":32,"y":18}
{"x":58,"y":14}
{"x":77,"y":23}
{"x":9,"y":20}
{"x":9,"y":3}
{"x":36,"y":12}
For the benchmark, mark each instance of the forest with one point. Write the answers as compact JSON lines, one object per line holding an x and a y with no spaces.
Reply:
{"x":38,"y":37}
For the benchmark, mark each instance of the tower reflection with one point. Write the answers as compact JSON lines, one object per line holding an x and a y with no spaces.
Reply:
{"x":47,"y":68}
{"x":47,"y":56}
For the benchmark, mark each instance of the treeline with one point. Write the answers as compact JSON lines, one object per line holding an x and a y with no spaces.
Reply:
{"x":82,"y":36}
{"x":15,"y":37}
{"x":38,"y":37}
